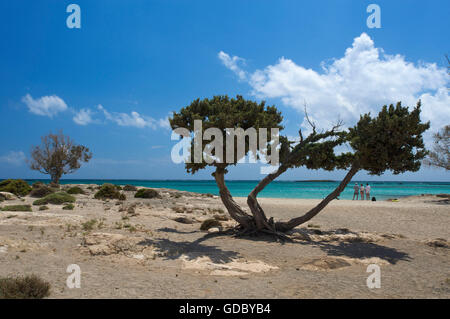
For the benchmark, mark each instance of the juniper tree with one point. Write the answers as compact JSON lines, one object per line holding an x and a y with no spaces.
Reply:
{"x":57,"y":155}
{"x":223,"y":113}
{"x":391,"y":141}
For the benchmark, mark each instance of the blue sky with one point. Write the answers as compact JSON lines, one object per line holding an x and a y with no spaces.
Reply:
{"x":141,"y":59}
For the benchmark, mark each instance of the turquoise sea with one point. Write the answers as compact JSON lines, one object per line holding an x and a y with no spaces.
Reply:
{"x":282,"y":189}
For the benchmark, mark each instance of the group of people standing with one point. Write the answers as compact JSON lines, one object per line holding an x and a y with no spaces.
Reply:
{"x":361,"y":190}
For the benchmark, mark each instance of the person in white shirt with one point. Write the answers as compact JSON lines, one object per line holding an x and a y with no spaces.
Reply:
{"x":367,"y":191}
{"x":361,"y":190}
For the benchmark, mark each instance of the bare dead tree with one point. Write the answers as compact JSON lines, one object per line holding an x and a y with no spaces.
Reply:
{"x":440,"y":155}
{"x":57,"y":155}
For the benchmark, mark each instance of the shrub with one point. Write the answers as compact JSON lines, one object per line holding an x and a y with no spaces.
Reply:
{"x":118,"y":187}
{"x":37,"y":184}
{"x":54,"y":185}
{"x":109,"y":191}
{"x":56,"y":199}
{"x":75,"y":190}
{"x":69,"y":207}
{"x":129,"y":188}
{"x":16,"y":186}
{"x":43,"y":208}
{"x":146,"y":193}
{"x":41,"y":191}
{"x":16,"y":208}
{"x":89,"y":225}
{"x":28,"y":287}
{"x":210,"y":223}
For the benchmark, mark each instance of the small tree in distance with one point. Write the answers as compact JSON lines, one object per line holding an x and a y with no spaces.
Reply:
{"x":440,"y":155}
{"x":57,"y":155}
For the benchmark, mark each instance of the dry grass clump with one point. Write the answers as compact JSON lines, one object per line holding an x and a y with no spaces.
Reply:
{"x":27,"y":287}
{"x":56,"y":199}
{"x":42,"y":191}
{"x":16,"y":208}
{"x":109,"y":191}
{"x":147,"y":193}
{"x":76,"y":190}
{"x":130,"y":188}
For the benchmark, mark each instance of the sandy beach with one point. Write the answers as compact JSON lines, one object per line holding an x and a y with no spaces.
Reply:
{"x":154,"y":248}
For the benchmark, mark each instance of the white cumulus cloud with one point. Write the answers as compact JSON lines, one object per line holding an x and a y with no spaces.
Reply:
{"x":13,"y":158}
{"x":45,"y":105}
{"x":232,"y":63}
{"x":84,"y":117}
{"x":134,"y":119}
{"x":361,"y":81}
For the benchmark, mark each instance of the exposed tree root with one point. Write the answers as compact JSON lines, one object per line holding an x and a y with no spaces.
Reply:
{"x":240,"y":231}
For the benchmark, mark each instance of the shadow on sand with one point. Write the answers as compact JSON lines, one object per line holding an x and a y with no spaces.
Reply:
{"x":176,"y":231}
{"x":191,"y":250}
{"x":357,"y":248}
{"x":361,"y":250}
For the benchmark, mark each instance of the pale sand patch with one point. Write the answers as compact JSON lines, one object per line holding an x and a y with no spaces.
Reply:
{"x":234,"y":267}
{"x":21,"y":244}
{"x":333,"y":263}
{"x":111,"y":244}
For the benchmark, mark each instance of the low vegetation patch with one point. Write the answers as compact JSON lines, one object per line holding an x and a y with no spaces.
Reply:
{"x":210,"y":223}
{"x":147,"y":193}
{"x":54,"y":185}
{"x":28,"y":287}
{"x":16,"y":208}
{"x":37,"y":185}
{"x":43,"y":208}
{"x":56,"y":199}
{"x":130,"y":188}
{"x":16,"y":186}
{"x":69,"y":207}
{"x":41,"y":191}
{"x":109,"y":191}
{"x":89,"y":225}
{"x":76,"y":190}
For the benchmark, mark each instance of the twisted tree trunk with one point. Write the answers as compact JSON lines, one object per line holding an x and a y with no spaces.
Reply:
{"x":257,"y":211}
{"x":261,"y":221}
{"x":233,"y":208}
{"x":285,"y":226}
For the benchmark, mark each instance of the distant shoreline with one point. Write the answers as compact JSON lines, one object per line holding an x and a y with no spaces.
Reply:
{"x":66,"y":180}
{"x":311,"y":189}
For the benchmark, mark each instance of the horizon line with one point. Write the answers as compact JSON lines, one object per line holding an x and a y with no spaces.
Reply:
{"x":230,"y":180}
